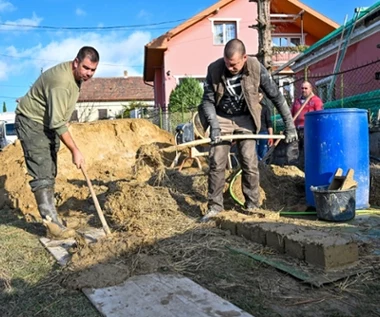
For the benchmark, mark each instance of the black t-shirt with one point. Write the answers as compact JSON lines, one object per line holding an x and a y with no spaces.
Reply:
{"x":233,"y":102}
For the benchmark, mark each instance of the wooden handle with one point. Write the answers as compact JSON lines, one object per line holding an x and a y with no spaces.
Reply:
{"x":96,"y":202}
{"x":224,"y":138}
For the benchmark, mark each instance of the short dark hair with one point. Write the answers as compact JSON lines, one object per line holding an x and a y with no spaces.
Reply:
{"x":234,"y":46}
{"x":90,"y":52}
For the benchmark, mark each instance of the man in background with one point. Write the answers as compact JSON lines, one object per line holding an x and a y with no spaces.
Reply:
{"x":307,"y":102}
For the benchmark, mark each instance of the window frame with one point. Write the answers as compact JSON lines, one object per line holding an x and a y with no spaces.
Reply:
{"x":102,"y":113}
{"x":223,"y":21}
{"x":288,"y":37}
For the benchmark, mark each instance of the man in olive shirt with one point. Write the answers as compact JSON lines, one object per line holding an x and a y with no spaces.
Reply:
{"x":41,"y":122}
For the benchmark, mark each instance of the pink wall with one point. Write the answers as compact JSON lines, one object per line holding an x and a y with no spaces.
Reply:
{"x":356,"y":81}
{"x":190,"y":52}
{"x":159,"y":88}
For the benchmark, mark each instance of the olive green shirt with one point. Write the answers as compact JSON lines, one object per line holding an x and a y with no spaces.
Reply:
{"x":52,"y":98}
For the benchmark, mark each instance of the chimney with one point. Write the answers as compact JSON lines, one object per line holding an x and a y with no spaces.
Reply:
{"x":125,"y":74}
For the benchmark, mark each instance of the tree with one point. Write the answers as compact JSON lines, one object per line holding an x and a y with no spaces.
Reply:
{"x":187,"y":95}
{"x":4,"y":107}
{"x":126,"y":113}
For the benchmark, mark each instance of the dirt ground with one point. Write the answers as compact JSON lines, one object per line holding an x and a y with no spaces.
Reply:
{"x":153,"y":212}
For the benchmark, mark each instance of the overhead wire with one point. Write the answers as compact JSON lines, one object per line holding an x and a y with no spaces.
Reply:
{"x":99,"y":28}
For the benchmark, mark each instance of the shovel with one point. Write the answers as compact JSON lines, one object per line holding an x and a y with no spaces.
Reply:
{"x":96,"y":202}
{"x":223,"y":138}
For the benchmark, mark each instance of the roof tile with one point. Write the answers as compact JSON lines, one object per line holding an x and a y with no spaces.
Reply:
{"x":115,"y":89}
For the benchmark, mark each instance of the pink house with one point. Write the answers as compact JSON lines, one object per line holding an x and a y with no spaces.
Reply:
{"x":344,"y":67}
{"x":186,"y":50}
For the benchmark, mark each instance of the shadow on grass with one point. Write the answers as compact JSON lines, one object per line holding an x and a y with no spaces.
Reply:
{"x":30,"y":279}
{"x":46,"y":298}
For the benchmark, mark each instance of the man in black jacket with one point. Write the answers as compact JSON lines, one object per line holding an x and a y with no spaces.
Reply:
{"x":231,"y":105}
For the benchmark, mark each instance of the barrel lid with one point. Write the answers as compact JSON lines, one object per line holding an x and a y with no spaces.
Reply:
{"x":335,"y":111}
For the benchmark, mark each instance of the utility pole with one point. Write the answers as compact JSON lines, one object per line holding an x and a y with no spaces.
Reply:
{"x":264,"y":30}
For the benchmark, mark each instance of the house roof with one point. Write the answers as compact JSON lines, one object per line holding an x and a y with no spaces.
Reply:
{"x":115,"y":89}
{"x":334,"y":36}
{"x":313,"y":22}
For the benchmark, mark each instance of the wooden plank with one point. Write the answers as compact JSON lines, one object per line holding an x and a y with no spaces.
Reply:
{"x":349,"y":181}
{"x":59,"y":249}
{"x":157,"y":295}
{"x":337,"y":181}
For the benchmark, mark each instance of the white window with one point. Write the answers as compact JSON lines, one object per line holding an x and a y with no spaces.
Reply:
{"x":284,"y":40}
{"x":224,"y":30}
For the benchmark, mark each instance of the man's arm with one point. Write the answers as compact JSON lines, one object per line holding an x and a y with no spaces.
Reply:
{"x":77,"y":156}
{"x":269,"y":124}
{"x":270,"y":141}
{"x":293,"y":108}
{"x":318,"y":104}
{"x":271,"y":90}
{"x":208,"y":110}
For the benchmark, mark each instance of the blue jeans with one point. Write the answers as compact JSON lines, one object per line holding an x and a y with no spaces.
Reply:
{"x":262,"y":146}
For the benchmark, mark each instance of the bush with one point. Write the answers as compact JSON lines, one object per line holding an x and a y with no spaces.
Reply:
{"x":186,"y":96}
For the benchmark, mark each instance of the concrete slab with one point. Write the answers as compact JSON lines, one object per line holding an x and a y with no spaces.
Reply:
{"x":159,"y":295}
{"x":59,"y":248}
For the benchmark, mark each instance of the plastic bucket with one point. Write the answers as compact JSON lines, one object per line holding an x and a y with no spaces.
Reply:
{"x":337,"y":138}
{"x":334,"y":205}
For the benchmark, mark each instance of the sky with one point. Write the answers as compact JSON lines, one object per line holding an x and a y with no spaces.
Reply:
{"x":36,"y":35}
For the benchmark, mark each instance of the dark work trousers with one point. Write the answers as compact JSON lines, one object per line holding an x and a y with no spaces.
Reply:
{"x":40,"y":146}
{"x":301,"y":149}
{"x":247,"y":157}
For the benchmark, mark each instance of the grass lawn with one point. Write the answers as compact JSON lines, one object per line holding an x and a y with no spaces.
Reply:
{"x":30,"y":277}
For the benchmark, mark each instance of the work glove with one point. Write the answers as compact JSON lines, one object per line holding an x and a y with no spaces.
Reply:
{"x":215,"y":136}
{"x":290,"y":135}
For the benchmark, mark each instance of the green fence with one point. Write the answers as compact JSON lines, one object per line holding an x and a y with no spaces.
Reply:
{"x":356,"y":87}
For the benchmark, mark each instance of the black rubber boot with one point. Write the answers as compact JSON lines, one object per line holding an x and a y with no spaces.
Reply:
{"x":46,"y":206}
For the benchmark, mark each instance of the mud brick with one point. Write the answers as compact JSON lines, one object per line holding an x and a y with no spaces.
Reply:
{"x":294,"y":248}
{"x":276,"y":233}
{"x":229,"y":220}
{"x":331,"y":252}
{"x":275,"y":241}
{"x":244,"y":229}
{"x":251,"y":231}
{"x":227,"y":224}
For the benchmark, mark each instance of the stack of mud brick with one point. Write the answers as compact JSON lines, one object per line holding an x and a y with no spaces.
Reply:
{"x":323,"y":249}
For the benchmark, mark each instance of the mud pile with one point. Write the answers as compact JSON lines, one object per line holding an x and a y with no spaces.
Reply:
{"x":109,"y":148}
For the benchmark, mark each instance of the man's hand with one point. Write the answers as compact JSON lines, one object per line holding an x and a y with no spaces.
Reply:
{"x":78,"y":158}
{"x":270,"y":142}
{"x":215,"y":136}
{"x":290,"y":135}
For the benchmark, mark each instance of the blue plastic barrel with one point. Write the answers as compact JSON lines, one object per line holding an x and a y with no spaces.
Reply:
{"x":337,"y":138}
